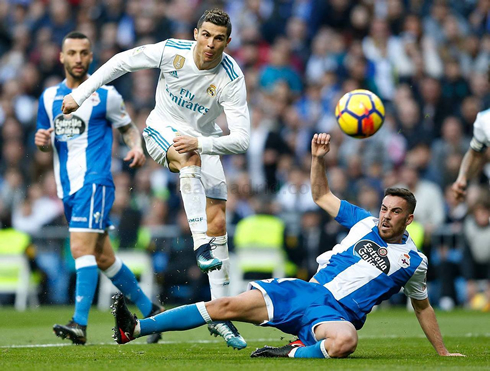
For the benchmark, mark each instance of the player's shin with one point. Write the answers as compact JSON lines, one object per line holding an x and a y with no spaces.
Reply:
{"x":219,"y":280}
{"x":313,"y":351}
{"x":122,"y":277}
{"x":194,"y":200}
{"x":178,"y":319}
{"x":87,"y":275}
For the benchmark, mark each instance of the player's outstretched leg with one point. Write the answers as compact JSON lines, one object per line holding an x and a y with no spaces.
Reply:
{"x":229,"y":332}
{"x":126,"y":322}
{"x":154,"y":338}
{"x":72,"y":331}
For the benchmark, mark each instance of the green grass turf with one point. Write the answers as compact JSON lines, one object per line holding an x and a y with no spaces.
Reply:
{"x":391,"y":339}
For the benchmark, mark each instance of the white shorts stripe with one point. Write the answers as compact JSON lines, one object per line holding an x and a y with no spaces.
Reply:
{"x":91,"y":215}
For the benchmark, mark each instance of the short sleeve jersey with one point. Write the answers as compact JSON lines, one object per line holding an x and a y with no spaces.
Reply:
{"x":82,"y":141}
{"x":481,"y":132}
{"x":363,"y":270}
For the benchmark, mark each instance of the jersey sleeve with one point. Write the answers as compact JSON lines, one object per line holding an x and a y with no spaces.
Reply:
{"x":116,"y":110}
{"x":234,"y":102}
{"x":416,"y":286}
{"x":350,"y":214}
{"x":42,"y":116}
{"x":480,"y":142}
{"x":139,"y":58}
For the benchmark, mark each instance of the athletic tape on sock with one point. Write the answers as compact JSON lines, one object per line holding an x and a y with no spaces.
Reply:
{"x":85,"y":261}
{"x":201,"y":307}
{"x":114,"y":268}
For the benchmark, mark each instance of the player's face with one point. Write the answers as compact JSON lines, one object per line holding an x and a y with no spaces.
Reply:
{"x":76,"y":56}
{"x":393,"y":219}
{"x":211,"y":43}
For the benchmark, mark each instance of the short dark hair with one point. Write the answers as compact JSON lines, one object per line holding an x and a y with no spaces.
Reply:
{"x":218,"y":17}
{"x":405,"y":194}
{"x":74,"y":35}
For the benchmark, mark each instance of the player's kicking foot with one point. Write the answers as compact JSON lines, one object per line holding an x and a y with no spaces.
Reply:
{"x":72,"y":331}
{"x":206,"y":261}
{"x":276,"y":352}
{"x":154,"y":338}
{"x":229,"y":332}
{"x":125,"y":320}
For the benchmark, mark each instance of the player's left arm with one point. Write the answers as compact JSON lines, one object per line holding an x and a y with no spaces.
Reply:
{"x":132,"y":138}
{"x":428,"y":321}
{"x":120,"y":119}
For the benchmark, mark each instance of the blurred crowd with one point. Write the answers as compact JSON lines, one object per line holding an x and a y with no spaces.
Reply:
{"x":426,"y":59}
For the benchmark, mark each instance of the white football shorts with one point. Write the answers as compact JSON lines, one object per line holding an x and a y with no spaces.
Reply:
{"x":212,"y":173}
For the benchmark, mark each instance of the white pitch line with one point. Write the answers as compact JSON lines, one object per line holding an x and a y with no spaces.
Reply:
{"x":468,"y":335}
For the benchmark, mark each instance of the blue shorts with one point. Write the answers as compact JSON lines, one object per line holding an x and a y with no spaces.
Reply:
{"x":296,"y":307}
{"x":87,"y":210}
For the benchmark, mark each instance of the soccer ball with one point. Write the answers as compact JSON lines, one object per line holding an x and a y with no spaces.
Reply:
{"x":360,"y":113}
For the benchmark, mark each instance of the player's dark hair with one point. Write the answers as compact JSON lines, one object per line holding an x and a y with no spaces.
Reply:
{"x":217,"y":17}
{"x":405,"y":194}
{"x":75,"y":35}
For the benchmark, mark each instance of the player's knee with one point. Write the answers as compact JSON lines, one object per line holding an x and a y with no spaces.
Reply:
{"x":79,"y":249}
{"x":343,"y":345}
{"x":104,"y":261}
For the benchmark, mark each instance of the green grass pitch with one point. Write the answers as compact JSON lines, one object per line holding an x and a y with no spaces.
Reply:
{"x":391,"y":339}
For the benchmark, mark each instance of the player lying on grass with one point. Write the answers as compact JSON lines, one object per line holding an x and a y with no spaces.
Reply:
{"x":373,"y":262}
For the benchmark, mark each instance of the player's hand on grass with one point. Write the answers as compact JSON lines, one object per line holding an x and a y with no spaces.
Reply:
{"x":447,"y":354}
{"x":459,"y":189}
{"x":42,"y":139}
{"x":137,"y":155}
{"x":184,"y":144}
{"x":320,"y":145}
{"x":69,"y":105}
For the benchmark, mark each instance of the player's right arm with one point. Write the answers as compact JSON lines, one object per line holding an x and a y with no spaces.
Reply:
{"x":42,"y":139}
{"x":473,"y":159}
{"x":142,"y":57}
{"x":322,"y":195}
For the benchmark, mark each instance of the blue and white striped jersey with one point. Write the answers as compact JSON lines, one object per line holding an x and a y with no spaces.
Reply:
{"x":82,"y":141}
{"x":363,"y":270}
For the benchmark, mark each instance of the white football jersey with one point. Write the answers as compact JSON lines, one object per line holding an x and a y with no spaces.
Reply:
{"x":481,"y":132}
{"x":187,"y":99}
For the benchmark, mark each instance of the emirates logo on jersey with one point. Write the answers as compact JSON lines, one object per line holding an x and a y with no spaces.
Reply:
{"x":373,"y":254}
{"x":68,"y":127}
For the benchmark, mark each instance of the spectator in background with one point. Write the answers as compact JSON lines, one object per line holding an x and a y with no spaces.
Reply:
{"x":280,"y":68}
{"x":430,"y":208}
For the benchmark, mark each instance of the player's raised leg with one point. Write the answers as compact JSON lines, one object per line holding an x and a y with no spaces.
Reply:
{"x":247,"y":307}
{"x":219,"y":281}
{"x":194,"y":199}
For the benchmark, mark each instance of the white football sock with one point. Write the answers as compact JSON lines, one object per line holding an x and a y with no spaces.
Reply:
{"x":194,"y":199}
{"x":219,"y":280}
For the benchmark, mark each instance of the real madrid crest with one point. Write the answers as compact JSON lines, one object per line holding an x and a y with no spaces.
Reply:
{"x":211,"y":90}
{"x":179,"y":62}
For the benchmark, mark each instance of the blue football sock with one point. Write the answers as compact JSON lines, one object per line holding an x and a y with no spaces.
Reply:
{"x":182,"y":318}
{"x":87,"y":277}
{"x":126,"y":282}
{"x":313,"y":351}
